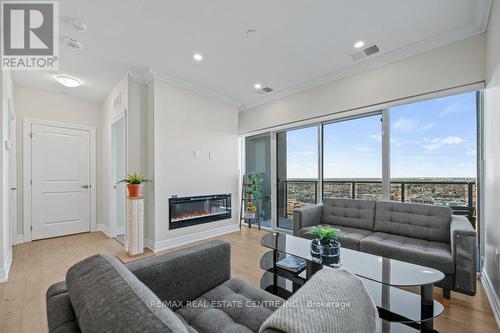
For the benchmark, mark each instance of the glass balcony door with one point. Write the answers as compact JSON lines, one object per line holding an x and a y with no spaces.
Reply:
{"x":258,"y":159}
{"x":297,"y":172}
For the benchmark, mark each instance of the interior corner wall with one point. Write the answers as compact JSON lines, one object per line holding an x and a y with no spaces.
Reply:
{"x":42,"y":105}
{"x":149,"y":213}
{"x":453,"y":65}
{"x":492,"y":155}
{"x":132,"y":105}
{"x":6,"y":242}
{"x":185,"y":121}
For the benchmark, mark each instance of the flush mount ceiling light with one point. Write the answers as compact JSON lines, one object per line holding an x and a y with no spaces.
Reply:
{"x":257,"y":86}
{"x":359,"y":44}
{"x":68,"y":81}
{"x":198,"y":57}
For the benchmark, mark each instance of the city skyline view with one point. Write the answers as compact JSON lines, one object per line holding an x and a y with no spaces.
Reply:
{"x":429,"y":139}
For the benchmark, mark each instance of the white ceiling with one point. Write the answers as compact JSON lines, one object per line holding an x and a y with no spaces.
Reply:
{"x":297,"y":44}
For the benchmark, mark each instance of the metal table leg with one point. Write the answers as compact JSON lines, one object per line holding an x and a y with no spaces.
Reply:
{"x":427,"y":307}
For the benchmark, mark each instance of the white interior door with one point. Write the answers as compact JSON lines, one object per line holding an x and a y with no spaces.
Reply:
{"x":60,"y":168}
{"x":12,"y":175}
{"x":118,"y":173}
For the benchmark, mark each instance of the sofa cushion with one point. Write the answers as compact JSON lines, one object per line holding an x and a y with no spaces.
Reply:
{"x":426,"y":222}
{"x":349,"y":213}
{"x":107,"y":297}
{"x":431,"y":254}
{"x":232,"y":307}
{"x":61,"y":317}
{"x":351,"y":237}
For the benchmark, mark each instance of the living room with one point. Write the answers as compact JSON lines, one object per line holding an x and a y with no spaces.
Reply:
{"x":234,"y":169}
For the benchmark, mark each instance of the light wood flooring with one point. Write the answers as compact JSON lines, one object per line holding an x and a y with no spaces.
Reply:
{"x":39,"y":264}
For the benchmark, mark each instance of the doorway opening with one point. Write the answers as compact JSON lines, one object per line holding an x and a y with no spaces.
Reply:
{"x":118,"y":172}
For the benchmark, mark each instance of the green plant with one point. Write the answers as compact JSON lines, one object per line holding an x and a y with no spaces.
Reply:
{"x":325,"y":234}
{"x":254,"y":189}
{"x":134,"y":178}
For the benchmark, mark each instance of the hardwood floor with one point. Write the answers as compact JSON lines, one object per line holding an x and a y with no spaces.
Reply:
{"x":39,"y":264}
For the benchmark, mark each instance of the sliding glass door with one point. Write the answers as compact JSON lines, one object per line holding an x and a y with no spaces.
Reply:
{"x":258,"y":159}
{"x":297,"y":172}
{"x":352,"y":158}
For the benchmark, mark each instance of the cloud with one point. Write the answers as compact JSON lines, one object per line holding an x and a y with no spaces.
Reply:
{"x":472,"y":152}
{"x":404,"y":124}
{"x":378,"y":137}
{"x":427,"y":127}
{"x":437,"y":143}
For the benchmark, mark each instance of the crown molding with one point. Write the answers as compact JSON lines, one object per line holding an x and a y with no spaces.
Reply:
{"x":154,"y":75}
{"x":483,"y":12}
{"x":368,"y":64}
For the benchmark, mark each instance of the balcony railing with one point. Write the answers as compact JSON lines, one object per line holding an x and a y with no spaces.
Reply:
{"x":459,"y":195}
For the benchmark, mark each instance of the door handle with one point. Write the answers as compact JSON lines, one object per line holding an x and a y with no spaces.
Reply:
{"x":85,"y":186}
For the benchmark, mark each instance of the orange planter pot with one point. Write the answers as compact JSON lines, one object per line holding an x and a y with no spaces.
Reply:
{"x":135,"y":190}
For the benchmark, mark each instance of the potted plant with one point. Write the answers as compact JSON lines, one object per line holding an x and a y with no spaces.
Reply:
{"x":254,"y":187}
{"x":135,"y":183}
{"x":250,"y":210}
{"x":325,"y":246}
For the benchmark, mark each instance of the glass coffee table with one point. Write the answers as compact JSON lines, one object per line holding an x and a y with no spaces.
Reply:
{"x":400,"y":310}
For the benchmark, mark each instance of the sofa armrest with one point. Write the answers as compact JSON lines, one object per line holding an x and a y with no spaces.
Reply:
{"x":463,"y":249}
{"x":306,"y":217}
{"x":186,"y":274}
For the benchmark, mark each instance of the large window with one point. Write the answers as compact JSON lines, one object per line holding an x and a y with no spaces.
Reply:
{"x":423,"y":152}
{"x":433,"y":155}
{"x":297,"y":170}
{"x":352,"y":158}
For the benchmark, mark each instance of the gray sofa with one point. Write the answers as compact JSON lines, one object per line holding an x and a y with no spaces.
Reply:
{"x":183,"y":292}
{"x":421,"y":234}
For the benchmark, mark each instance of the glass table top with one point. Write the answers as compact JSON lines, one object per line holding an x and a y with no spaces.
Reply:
{"x":379,"y":269}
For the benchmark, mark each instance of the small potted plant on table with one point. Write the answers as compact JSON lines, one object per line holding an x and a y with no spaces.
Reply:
{"x":135,"y":183}
{"x":325,"y":246}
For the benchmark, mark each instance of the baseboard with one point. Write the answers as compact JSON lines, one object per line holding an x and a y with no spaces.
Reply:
{"x":183,"y":240}
{"x":4,"y":271}
{"x":492,"y":296}
{"x":149,"y":244}
{"x":104,"y":229}
{"x":19,"y":239}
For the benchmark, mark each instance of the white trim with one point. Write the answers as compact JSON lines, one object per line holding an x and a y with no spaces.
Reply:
{"x":19,"y":239}
{"x":186,"y":85}
{"x":149,"y":244}
{"x":26,"y":162}
{"x":4,"y":271}
{"x":186,"y":239}
{"x":104,"y":229}
{"x":491,"y":295}
{"x":368,"y":64}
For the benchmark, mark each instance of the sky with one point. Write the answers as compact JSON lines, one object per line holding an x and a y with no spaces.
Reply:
{"x":434,"y":138}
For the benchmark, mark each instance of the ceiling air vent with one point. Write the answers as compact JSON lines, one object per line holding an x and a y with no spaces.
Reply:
{"x":265,"y":91}
{"x":366,"y":52}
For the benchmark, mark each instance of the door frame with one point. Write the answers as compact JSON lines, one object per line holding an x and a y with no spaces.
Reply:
{"x":111,"y":171}
{"x":27,"y":123}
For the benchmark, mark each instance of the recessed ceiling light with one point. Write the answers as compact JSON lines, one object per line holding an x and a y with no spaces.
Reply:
{"x":359,"y":44}
{"x":68,"y":81}
{"x":257,"y":86}
{"x":197,"y":57}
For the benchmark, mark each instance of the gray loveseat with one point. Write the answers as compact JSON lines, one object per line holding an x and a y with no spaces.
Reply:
{"x":421,"y":234}
{"x":183,"y":292}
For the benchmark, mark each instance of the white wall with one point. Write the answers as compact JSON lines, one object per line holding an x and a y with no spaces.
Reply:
{"x":492,"y":155}
{"x":453,"y":65}
{"x":184,"y":121}
{"x":6,"y":94}
{"x":38,"y":104}
{"x":133,"y":106}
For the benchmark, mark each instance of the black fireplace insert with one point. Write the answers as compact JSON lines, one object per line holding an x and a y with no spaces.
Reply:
{"x":188,"y":211}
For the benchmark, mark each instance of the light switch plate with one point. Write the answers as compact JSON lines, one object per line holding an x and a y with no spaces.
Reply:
{"x":211,"y":156}
{"x":196,"y":154}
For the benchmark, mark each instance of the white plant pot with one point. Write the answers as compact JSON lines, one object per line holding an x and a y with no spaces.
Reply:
{"x":249,"y":215}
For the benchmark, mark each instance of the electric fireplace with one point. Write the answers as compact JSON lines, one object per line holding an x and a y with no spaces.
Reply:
{"x":188,"y":211}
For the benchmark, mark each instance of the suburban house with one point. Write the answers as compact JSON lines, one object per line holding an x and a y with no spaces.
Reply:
{"x":262,"y":166}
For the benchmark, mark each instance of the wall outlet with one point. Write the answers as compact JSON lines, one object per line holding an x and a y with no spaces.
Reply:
{"x":211,"y":156}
